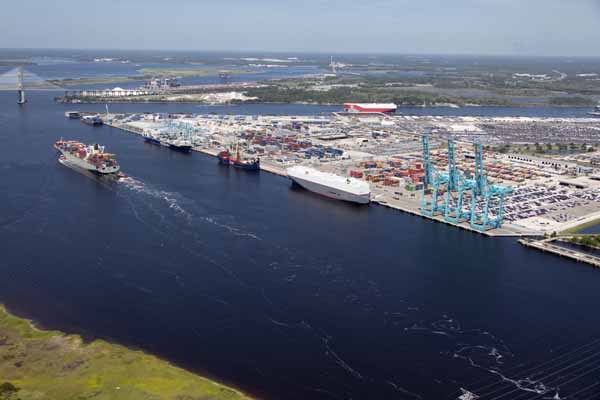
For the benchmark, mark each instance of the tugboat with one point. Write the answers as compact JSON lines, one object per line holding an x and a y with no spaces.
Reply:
{"x":226,"y":158}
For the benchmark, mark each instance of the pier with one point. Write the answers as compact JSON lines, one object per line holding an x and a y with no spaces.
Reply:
{"x":406,"y":205}
{"x":548,"y":246}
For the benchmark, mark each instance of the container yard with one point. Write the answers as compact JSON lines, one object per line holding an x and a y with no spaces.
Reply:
{"x":457,"y":170}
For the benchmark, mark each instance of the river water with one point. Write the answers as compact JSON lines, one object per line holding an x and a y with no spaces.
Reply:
{"x":246,"y":279}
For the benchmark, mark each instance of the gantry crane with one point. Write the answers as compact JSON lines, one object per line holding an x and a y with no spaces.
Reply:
{"x":485,"y":198}
{"x":458,"y":185}
{"x":433,"y":182}
{"x":483,"y":195}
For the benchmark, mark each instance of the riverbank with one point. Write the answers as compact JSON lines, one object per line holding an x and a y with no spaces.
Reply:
{"x":34,"y":359}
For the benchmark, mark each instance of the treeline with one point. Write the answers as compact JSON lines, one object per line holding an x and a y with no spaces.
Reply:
{"x":575,"y":101}
{"x":589,"y":241}
{"x":282,"y":94}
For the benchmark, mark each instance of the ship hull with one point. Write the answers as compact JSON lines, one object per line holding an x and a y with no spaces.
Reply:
{"x":246,"y":166}
{"x":330,"y":192}
{"x":87,"y":172}
{"x":91,"y":122}
{"x":182,"y":149}
{"x":152,"y":140}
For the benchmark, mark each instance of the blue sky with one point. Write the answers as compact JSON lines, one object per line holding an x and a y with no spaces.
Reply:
{"x":529,"y":27}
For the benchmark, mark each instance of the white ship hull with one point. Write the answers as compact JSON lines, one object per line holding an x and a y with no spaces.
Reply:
{"x":329,"y":191}
{"x":78,"y":162}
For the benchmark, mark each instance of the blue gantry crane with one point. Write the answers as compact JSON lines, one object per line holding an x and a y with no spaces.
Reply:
{"x":432,"y":184}
{"x":486,"y":198}
{"x":458,"y":186}
{"x":486,"y":210}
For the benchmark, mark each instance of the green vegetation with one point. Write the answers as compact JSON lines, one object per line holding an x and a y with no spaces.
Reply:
{"x":36,"y":364}
{"x":581,"y":227}
{"x":282,"y":93}
{"x":587,"y":240}
{"x":95,"y":81}
{"x":576,"y":101}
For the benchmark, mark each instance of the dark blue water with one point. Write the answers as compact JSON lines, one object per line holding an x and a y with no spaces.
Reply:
{"x":264,"y":286}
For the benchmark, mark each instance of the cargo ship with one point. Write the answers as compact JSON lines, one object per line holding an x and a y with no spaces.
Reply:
{"x":179,"y":144}
{"x":73,"y":114}
{"x":87,"y":157}
{"x":386,"y":108}
{"x":226,"y":158}
{"x":149,"y":137}
{"x":596,"y":112}
{"x":91,"y":119}
{"x":331,"y":185}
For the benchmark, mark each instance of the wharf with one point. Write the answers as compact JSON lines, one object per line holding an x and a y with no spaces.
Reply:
{"x":264,"y":165}
{"x":412,"y":207}
{"x":547,"y":246}
{"x":405,"y":205}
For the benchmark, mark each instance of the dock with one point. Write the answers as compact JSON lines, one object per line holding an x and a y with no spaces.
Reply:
{"x":406,"y":205}
{"x":548,"y":246}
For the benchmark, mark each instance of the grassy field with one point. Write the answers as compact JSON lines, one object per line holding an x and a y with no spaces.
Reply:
{"x":579,"y":228}
{"x":36,"y":364}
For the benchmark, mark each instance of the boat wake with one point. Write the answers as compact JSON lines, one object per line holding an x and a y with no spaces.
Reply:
{"x":172,"y":199}
{"x":181,"y":205}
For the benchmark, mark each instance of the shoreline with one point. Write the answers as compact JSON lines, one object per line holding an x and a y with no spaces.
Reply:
{"x":516,"y":106}
{"x":391,"y":204}
{"x":153,"y":376}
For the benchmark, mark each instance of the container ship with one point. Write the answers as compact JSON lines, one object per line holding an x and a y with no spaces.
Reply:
{"x":87,"y":157}
{"x":179,"y":144}
{"x":91,"y":119}
{"x":387,"y":108}
{"x":226,"y":158}
{"x":149,"y":137}
{"x":172,"y":142}
{"x":73,"y":114}
{"x":331,"y":185}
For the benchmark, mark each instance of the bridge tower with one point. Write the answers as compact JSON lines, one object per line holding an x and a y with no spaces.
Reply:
{"x":20,"y":86}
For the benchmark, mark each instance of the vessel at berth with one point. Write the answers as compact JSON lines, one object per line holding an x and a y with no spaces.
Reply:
{"x":387,"y":108}
{"x":331,"y":185}
{"x":91,"y":120}
{"x":179,"y":144}
{"x":150,"y":137}
{"x":88,"y":157}
{"x":226,"y":158}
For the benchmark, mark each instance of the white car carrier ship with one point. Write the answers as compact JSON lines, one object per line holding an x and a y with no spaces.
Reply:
{"x":331,"y":185}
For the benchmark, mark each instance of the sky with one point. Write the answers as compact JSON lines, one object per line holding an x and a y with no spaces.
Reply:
{"x":504,"y":27}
